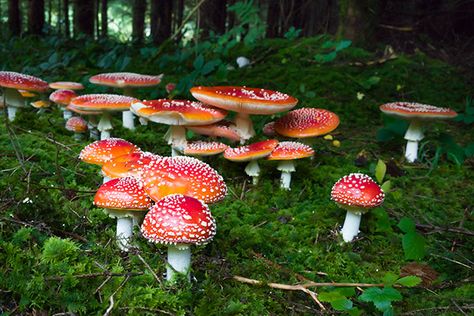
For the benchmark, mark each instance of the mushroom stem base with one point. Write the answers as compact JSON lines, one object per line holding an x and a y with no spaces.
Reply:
{"x":179,"y":261}
{"x":350,"y":229}
{"x":128,"y":120}
{"x":124,"y":232}
{"x":411,"y":151}
{"x":286,"y":167}
{"x":253,"y":170}
{"x":12,"y":113}
{"x":176,"y":137}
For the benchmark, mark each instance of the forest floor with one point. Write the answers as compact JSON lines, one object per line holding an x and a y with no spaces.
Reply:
{"x":58,"y":254}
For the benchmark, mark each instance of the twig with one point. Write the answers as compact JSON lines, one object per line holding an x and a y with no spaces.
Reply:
{"x":454,"y":261}
{"x":45,"y":137}
{"x":95,"y":275}
{"x":442,"y":308}
{"x":111,"y":298}
{"x":148,"y":267}
{"x":458,"y":307}
{"x":146,"y":309}
{"x":446,"y":229}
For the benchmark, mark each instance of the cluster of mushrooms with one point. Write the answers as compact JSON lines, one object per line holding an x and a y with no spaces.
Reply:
{"x":174,"y":191}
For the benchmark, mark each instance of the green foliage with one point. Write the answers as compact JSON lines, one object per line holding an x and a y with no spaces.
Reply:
{"x":382,"y":298}
{"x":414,"y":245}
{"x":393,"y":129}
{"x":250,"y":27}
{"x":292,"y":33}
{"x":331,"y":48}
{"x":468,"y":116}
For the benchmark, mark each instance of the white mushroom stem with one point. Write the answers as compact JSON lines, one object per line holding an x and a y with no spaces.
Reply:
{"x":66,"y":113}
{"x":124,"y":232}
{"x":179,"y":261}
{"x":350,"y":229}
{"x":176,"y":137}
{"x":11,"y":113}
{"x":413,"y":135}
{"x":128,"y":120}
{"x":92,"y":126}
{"x":244,"y":127}
{"x":253,"y":170}
{"x":105,"y":126}
{"x":106,"y":179}
{"x":286,"y":167}
{"x":13,"y":100}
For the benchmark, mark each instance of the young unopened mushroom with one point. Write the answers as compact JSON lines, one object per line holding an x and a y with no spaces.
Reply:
{"x":126,"y":200}
{"x":286,"y":152}
{"x":179,"y":221}
{"x":62,"y":98}
{"x":200,"y":148}
{"x":126,"y":81}
{"x":92,"y":121}
{"x":357,"y":193}
{"x":418,"y":114}
{"x":11,"y":82}
{"x":251,"y":153}
{"x":77,"y":125}
{"x":245,"y":101}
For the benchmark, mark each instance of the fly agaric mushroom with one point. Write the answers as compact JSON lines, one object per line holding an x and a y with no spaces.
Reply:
{"x":63,"y":98}
{"x":286,"y":152}
{"x":417,"y":114}
{"x":245,"y":101}
{"x":179,"y":221}
{"x":106,"y":103}
{"x":126,"y":81}
{"x":77,"y":125}
{"x":101,"y":151}
{"x":177,"y":114}
{"x":306,"y":122}
{"x":224,"y":129}
{"x":357,"y":193}
{"x":41,"y":105}
{"x":67,"y":85}
{"x":11,"y":82}
{"x":91,"y":122}
{"x":251,"y":153}
{"x":129,"y":165}
{"x":200,"y":148}
{"x":125,"y":200}
{"x":183,"y":175}
{"x":269,"y":129}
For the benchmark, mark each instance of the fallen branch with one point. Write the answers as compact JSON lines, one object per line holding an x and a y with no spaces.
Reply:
{"x":445,"y":229}
{"x":111,"y":298}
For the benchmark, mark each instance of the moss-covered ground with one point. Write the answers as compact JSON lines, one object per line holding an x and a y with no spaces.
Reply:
{"x":58,"y":254}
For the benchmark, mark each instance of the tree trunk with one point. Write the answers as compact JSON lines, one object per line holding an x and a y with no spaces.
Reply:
{"x":273,"y":18}
{"x":67,"y":28}
{"x":104,"y":19}
{"x":35,"y":16}
{"x":213,"y":17}
{"x":84,"y":17}
{"x":138,"y":23}
{"x":14,"y":17}
{"x":161,"y":20}
{"x":179,"y":13}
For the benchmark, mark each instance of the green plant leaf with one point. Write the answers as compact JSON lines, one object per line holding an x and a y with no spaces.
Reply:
{"x":469,"y":150}
{"x":369,"y":83}
{"x":389,"y":278}
{"x":325,"y":58}
{"x":413,"y":246}
{"x":381,"y":298}
{"x":210,"y":66}
{"x":407,"y":225}
{"x":342,"y":304}
{"x":343,"y":44}
{"x":198,"y":62}
{"x":380,"y":170}
{"x":386,"y":186}
{"x":409,"y":281}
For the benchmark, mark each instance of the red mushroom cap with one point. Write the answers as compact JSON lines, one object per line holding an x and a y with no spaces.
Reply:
{"x":128,"y":165}
{"x":269,"y":129}
{"x":170,"y":87}
{"x":76,"y":124}
{"x":69,"y":85}
{"x":123,"y":194}
{"x":200,"y":148}
{"x":220,"y":129}
{"x":178,"y":112}
{"x":125,"y":79}
{"x":103,"y":102}
{"x":15,"y":80}
{"x":416,"y":110}
{"x":81,"y":112}
{"x":306,"y":122}
{"x":62,"y":97}
{"x":183,"y":175}
{"x":244,"y":99}
{"x":290,"y":151}
{"x":357,"y":191}
{"x":101,"y":151}
{"x":251,"y":152}
{"x":179,"y":219}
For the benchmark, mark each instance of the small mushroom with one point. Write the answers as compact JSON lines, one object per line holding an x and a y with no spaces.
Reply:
{"x":200,"y":148}
{"x":179,"y":221}
{"x":63,"y":98}
{"x":77,"y":125}
{"x":67,"y":85}
{"x":357,"y":193}
{"x":224,"y":129}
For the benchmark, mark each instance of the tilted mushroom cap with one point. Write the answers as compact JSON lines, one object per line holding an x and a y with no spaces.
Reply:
{"x":183,"y":175}
{"x":125,"y":79}
{"x":357,"y":191}
{"x":122,"y":194}
{"x":62,"y":97}
{"x":103,"y":102}
{"x":68,"y":85}
{"x":27,"y":94}
{"x":179,"y":219}
{"x":15,"y":80}
{"x":101,"y":151}
{"x":416,"y":110}
{"x":306,"y":122}
{"x":40,"y":104}
{"x":128,"y":165}
{"x":178,"y":112}
{"x":220,"y":129}
{"x":200,"y":148}
{"x":76,"y":124}
{"x":244,"y":99}
{"x":291,"y":150}
{"x":251,"y":152}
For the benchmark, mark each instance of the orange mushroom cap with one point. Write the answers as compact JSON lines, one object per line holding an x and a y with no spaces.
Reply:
{"x":128,"y":165}
{"x":68,"y":85}
{"x":62,"y":97}
{"x":101,"y":151}
{"x":76,"y":124}
{"x":220,"y":129}
{"x":125,"y":79}
{"x":200,"y":148}
{"x":290,"y":151}
{"x":40,"y":104}
{"x":244,"y":99}
{"x":19,"y":81}
{"x":103,"y":102}
{"x":82,"y":112}
{"x":251,"y":152}
{"x":183,"y":175}
{"x":179,"y":219}
{"x":122,"y":194}
{"x":417,"y":110}
{"x":306,"y":122}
